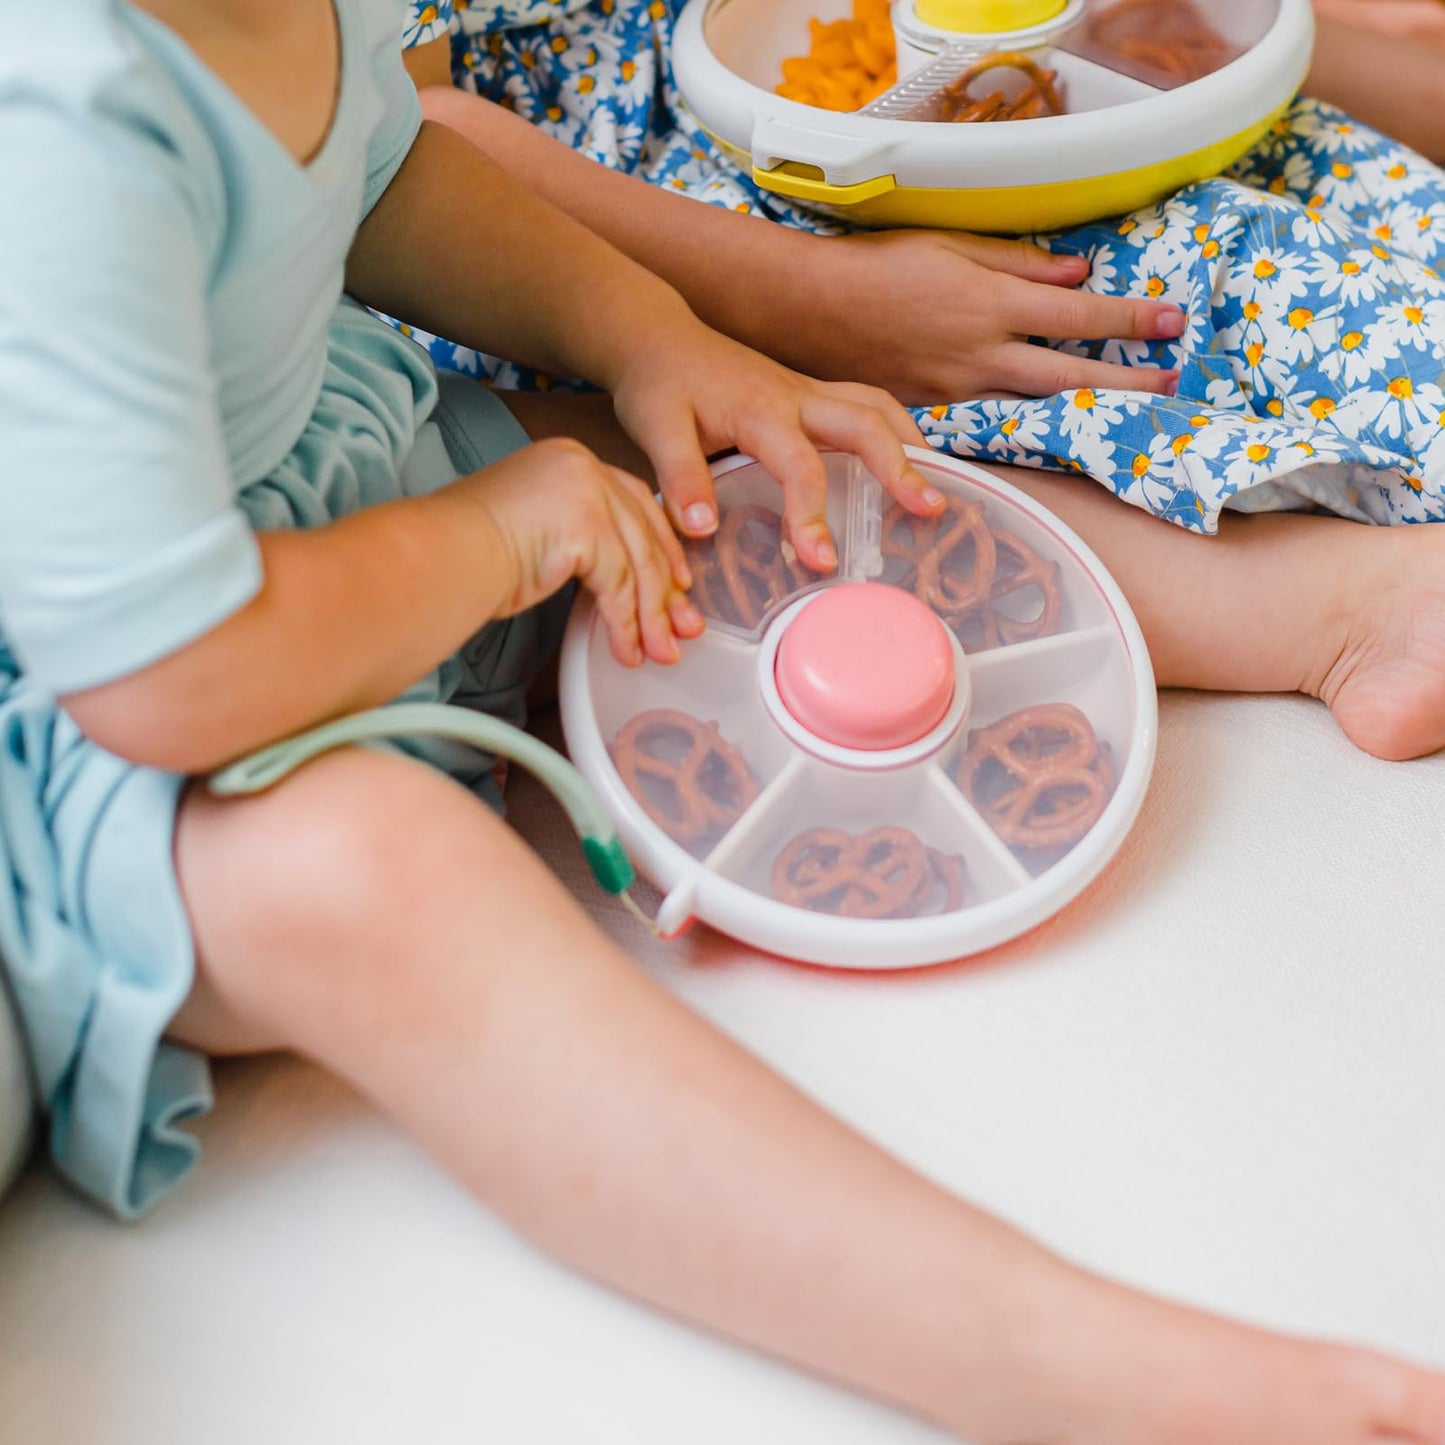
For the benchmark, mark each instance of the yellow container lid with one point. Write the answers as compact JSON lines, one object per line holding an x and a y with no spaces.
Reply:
{"x":986,"y":17}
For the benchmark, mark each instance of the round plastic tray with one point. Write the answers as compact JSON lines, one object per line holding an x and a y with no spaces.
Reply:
{"x":1158,"y":94}
{"x":843,"y":777}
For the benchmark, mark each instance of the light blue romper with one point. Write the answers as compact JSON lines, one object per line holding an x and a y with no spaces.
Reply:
{"x":178,"y":370}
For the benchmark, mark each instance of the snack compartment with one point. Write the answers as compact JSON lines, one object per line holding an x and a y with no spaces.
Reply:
{"x":1168,"y":43}
{"x":1052,"y":727}
{"x":877,"y":847}
{"x":982,"y":84}
{"x":996,"y":575}
{"x":748,"y":570}
{"x":690,"y":744}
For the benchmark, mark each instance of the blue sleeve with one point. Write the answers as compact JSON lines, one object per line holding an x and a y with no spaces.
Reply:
{"x":397,"y":128}
{"x":120,"y":540}
{"x":425,"y":20}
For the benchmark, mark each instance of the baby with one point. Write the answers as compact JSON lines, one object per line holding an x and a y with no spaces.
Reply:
{"x":232,"y":504}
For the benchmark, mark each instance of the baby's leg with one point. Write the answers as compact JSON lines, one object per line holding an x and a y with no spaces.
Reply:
{"x":1351,"y":614}
{"x":375,"y":917}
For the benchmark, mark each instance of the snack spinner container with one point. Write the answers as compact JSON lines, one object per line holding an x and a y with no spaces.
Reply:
{"x":919,"y":757}
{"x":1154,"y":94}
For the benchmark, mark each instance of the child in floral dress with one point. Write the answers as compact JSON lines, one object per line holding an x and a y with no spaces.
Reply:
{"x":1268,"y":341}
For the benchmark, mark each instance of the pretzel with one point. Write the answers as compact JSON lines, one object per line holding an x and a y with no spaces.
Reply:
{"x":949,"y":875}
{"x":1039,"y":97}
{"x":687,"y":777}
{"x":1040,"y":777}
{"x":741,"y":572}
{"x":886,"y":873}
{"x":927,"y":549}
{"x":1019,"y":568}
{"x":933,"y":560}
{"x":1172,"y":38}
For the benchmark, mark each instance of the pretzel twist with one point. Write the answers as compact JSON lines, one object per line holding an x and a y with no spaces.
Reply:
{"x":686,"y":776}
{"x":946,"y":885}
{"x":1019,"y":569}
{"x":1039,"y":97}
{"x":741,"y":572}
{"x":964,"y":570}
{"x":1040,"y":777}
{"x":947,"y":561}
{"x":885,"y":873}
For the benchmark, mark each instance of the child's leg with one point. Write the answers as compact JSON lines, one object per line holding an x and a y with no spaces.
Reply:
{"x":1350,"y":614}
{"x":1281,"y":602}
{"x":376,"y":917}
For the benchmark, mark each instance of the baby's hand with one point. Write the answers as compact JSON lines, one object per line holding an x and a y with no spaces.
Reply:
{"x":696,"y":392}
{"x":561,"y":513}
{"x":942,"y":317}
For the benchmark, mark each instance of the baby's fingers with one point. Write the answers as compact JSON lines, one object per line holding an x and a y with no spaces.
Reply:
{"x":655,"y":593}
{"x":897,"y":416}
{"x":1021,"y":258}
{"x":683,"y":478}
{"x":787,"y":454}
{"x":607,"y":575}
{"x":1082,"y":316}
{"x":864,"y":432}
{"x":658,"y":524}
{"x":1037,"y":371}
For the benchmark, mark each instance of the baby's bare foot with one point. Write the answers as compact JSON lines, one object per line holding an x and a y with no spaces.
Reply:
{"x":1386,"y":685}
{"x":1122,"y":1369}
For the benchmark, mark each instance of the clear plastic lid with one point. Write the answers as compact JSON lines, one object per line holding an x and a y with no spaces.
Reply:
{"x":951,"y":752}
{"x":1168,"y":43}
{"x":1098,"y":54}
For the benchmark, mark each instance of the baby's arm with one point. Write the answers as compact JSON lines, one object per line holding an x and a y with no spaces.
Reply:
{"x":1390,"y":82}
{"x":546,"y":290}
{"x":351,"y":614}
{"x":829,"y":305}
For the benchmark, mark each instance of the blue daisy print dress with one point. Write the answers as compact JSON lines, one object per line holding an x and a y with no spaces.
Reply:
{"x":1311,"y":365}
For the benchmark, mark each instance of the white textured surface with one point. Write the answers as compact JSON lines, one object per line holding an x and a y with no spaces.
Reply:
{"x":1219,"y":1074}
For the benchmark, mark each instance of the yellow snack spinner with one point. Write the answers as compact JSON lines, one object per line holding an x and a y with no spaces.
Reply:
{"x":863,"y":110}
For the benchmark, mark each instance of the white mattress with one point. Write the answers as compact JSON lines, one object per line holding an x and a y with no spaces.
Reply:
{"x":1219,"y":1075}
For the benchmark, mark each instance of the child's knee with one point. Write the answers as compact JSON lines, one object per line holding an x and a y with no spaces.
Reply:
{"x":326,"y":863}
{"x":446,"y":105}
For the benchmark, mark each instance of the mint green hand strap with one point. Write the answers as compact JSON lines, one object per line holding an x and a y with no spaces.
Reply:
{"x":262,"y":770}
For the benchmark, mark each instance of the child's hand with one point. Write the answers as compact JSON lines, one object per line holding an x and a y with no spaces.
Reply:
{"x":941,"y":317}
{"x":561,"y":513}
{"x":694,"y":392}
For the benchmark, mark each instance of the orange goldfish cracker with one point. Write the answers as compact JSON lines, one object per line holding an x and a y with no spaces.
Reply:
{"x":849,"y":62}
{"x":873,"y":59}
{"x":801,"y":70}
{"x":880,"y":33}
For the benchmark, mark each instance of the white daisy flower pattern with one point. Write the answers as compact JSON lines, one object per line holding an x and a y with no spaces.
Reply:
{"x":1311,"y":361}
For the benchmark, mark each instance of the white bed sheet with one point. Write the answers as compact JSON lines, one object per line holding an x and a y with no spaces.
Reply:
{"x":1219,"y":1075}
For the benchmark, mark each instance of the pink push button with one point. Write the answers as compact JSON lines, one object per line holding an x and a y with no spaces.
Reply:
{"x":866,"y":666}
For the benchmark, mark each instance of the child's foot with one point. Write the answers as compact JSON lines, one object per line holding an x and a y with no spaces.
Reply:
{"x":1386,"y":685}
{"x":1133,"y":1371}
